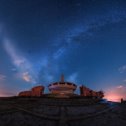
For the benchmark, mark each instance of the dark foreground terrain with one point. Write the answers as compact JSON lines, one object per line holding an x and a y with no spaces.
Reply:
{"x":60,"y":112}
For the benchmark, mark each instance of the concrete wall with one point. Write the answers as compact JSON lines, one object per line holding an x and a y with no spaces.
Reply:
{"x":84,"y":91}
{"x":35,"y":91}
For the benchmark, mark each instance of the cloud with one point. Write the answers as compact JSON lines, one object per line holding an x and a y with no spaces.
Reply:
{"x":73,"y":77}
{"x":59,"y":52}
{"x":119,"y":87}
{"x":122,"y":69}
{"x":2,"y":77}
{"x":26,"y":76}
{"x":23,"y":66}
{"x":41,"y":70}
{"x":124,"y":80}
{"x":47,"y":69}
{"x":116,"y":93}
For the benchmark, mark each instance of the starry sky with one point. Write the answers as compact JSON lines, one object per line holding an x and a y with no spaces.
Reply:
{"x":83,"y":39}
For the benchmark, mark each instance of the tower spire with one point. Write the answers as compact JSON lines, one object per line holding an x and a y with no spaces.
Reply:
{"x":62,"y":78}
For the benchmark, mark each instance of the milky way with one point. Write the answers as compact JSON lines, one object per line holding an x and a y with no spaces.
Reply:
{"x":82,"y":39}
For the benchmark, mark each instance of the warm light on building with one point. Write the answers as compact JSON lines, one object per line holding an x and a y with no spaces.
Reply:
{"x":62,"y":88}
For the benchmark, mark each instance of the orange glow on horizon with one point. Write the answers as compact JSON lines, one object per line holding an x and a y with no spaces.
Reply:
{"x":113,"y":97}
{"x":116,"y":93}
{"x":6,"y":93}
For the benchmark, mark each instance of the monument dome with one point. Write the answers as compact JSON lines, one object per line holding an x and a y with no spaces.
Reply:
{"x":62,"y":88}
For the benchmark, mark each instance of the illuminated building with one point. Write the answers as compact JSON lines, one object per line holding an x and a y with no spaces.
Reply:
{"x":25,"y":93}
{"x":35,"y":91}
{"x":62,"y":88}
{"x":84,"y":91}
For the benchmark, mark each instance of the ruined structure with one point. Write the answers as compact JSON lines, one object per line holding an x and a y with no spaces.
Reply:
{"x":25,"y":93}
{"x":84,"y":91}
{"x":35,"y":91}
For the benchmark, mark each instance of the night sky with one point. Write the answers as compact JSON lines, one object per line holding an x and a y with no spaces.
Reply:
{"x":83,"y":39}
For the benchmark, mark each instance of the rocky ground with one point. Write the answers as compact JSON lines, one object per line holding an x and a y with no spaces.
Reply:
{"x":60,"y":112}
